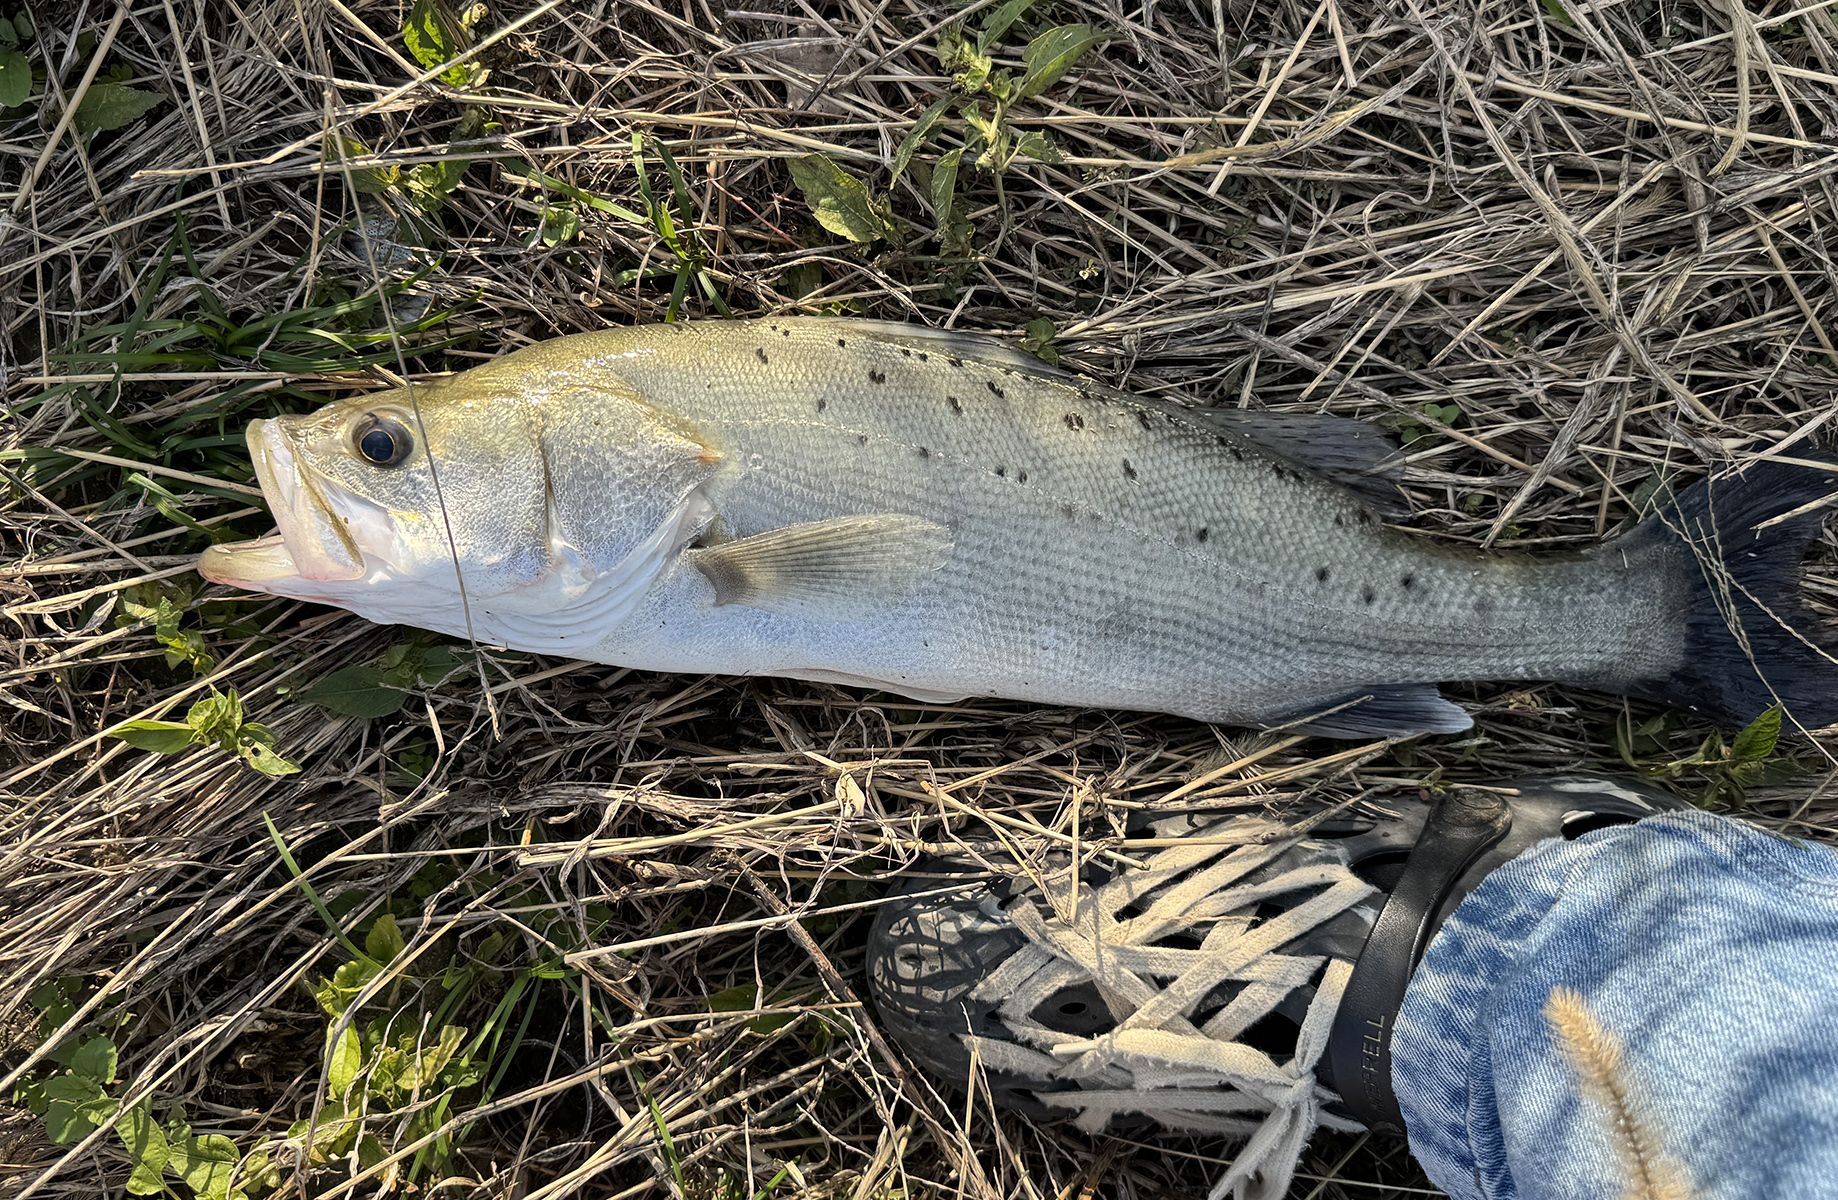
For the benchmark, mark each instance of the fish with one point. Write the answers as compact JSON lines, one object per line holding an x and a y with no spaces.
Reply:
{"x":942,"y":516}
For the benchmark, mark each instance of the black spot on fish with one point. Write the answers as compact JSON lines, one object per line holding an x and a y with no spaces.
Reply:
{"x":925,"y":452}
{"x":784,"y":333}
{"x":1408,"y":582}
{"x":822,"y":404}
{"x":1364,"y":517}
{"x":1340,"y":522}
{"x":1129,"y":472}
{"x":905,"y":353}
{"x":759,"y":352}
{"x":955,"y":361}
{"x":1236,"y":453}
{"x":1068,"y":511}
{"x":1202,"y":533}
{"x":957,"y":406}
{"x":1145,"y":420}
{"x":1368,"y":595}
{"x":842,"y":343}
{"x":1281,"y":471}
{"x":993,"y":389}
{"x":1020,"y":476}
{"x":875,"y":376}
{"x":1074,"y":422}
{"x":861,"y":439}
{"x":924,"y":357}
{"x":1321,"y":574}
{"x":1001,"y":472}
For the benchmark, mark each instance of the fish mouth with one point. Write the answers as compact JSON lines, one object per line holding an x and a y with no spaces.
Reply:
{"x":311,"y":543}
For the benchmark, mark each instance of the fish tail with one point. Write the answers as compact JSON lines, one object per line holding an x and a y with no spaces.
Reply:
{"x":1736,"y":541}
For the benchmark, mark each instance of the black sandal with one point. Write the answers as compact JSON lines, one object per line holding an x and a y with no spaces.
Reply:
{"x":935,"y":947}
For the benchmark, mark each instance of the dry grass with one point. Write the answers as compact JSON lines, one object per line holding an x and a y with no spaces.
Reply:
{"x":1600,"y":231}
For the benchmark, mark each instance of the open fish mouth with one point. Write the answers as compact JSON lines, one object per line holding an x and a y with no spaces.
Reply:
{"x":311,"y":543}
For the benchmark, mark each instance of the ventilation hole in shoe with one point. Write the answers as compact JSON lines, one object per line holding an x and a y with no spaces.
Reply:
{"x":1384,"y":869}
{"x":1078,"y":1010}
{"x":1274,"y":1034}
{"x":1576,"y":824}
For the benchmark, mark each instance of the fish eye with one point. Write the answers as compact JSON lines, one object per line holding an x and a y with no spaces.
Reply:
{"x":382,"y":441}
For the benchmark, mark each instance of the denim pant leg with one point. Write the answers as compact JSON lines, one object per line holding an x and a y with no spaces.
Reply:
{"x":1707,"y":948}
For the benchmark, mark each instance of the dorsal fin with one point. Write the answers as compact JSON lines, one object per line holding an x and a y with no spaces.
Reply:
{"x":977,"y":347}
{"x":1354,"y":454}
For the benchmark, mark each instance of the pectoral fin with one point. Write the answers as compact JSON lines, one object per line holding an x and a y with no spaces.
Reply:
{"x":846,"y":561}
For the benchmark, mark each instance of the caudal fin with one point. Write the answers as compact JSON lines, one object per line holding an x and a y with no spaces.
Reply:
{"x":1751,"y":641}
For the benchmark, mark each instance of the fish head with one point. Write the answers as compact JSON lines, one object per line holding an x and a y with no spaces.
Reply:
{"x":476,"y":506}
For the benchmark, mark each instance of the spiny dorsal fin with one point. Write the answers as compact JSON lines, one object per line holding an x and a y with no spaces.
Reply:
{"x":975,"y":347}
{"x":1354,"y":454}
{"x":847,"y":561}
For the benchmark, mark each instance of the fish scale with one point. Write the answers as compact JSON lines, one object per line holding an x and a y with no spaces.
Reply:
{"x":941,"y":516}
{"x":1071,"y":579}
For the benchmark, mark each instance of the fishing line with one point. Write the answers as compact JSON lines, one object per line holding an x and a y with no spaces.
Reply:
{"x":395,"y":345}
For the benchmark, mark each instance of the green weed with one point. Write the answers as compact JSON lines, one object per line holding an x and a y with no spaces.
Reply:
{"x":1727,"y":769}
{"x":217,"y":720}
{"x":983,"y":104}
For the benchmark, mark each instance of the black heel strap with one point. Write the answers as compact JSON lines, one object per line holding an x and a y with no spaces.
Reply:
{"x":1462,"y":827}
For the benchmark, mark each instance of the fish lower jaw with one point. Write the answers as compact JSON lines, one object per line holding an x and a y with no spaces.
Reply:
{"x":249,"y":564}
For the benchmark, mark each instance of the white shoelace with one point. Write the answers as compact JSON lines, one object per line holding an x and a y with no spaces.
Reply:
{"x":1156,"y":1061}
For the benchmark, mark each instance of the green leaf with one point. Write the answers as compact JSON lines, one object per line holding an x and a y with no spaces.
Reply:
{"x":206,"y":1164}
{"x":436,"y":663}
{"x":999,"y":21}
{"x":15,"y":79}
{"x":1558,"y":12}
{"x":147,"y":1148}
{"x":263,"y":758}
{"x":336,"y":994}
{"x":840,"y":201}
{"x":429,"y":184}
{"x":434,"y":35}
{"x":744,"y":997}
{"x":9,"y":35}
{"x":161,"y":737}
{"x":1040,"y":332}
{"x":109,"y":104}
{"x":1756,"y":743}
{"x":1053,"y":53}
{"x":218,"y":718}
{"x":384,"y":941}
{"x":944,"y":188}
{"x":357,"y":692}
{"x":344,"y":1059}
{"x":365,"y":181}
{"x":916,"y":137}
{"x":75,"y":1108}
{"x":95,"y":1059}
{"x":559,"y":225}
{"x":23,"y":23}
{"x":1039,"y":147}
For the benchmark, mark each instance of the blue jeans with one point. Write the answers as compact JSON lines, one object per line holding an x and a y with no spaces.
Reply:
{"x":1700,"y":1046}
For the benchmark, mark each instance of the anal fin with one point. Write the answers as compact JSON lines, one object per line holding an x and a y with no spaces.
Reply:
{"x":1391,"y":710}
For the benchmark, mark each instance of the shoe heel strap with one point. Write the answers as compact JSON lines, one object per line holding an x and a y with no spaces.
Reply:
{"x":1463,"y":826}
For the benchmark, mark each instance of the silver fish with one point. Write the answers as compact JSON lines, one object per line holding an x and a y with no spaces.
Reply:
{"x":941,"y":517}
